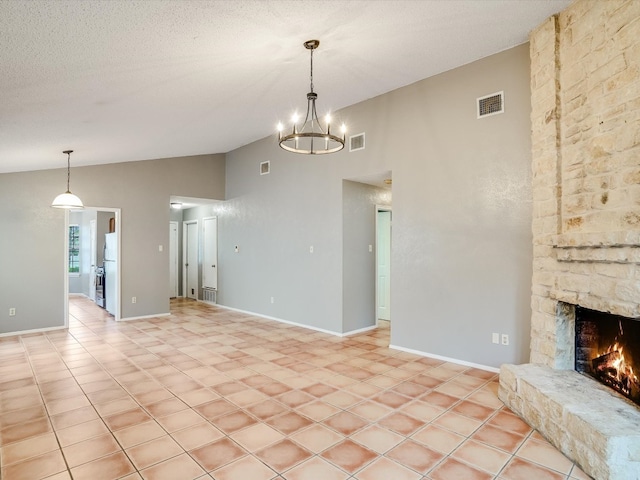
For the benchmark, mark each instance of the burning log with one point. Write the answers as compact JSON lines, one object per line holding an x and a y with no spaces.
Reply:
{"x":607,"y":364}
{"x":613,"y":371}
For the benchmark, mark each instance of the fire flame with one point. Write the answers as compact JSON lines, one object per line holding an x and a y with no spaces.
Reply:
{"x":622,"y":369}
{"x":612,"y":369}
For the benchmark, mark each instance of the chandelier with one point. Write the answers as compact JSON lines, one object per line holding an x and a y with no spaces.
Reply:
{"x":67,"y":199}
{"x":310,"y":138}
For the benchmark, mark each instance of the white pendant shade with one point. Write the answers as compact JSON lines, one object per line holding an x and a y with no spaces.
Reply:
{"x":67,"y":200}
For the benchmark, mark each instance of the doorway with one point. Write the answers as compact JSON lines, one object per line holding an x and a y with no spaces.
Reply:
{"x":93,"y":230}
{"x":190,"y":255}
{"x":383,"y":263}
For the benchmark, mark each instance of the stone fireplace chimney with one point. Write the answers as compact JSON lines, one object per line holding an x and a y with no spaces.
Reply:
{"x":585,"y":93}
{"x":585,"y":90}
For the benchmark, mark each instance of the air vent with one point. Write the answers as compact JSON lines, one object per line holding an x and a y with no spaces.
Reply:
{"x":265,"y":168}
{"x":209,"y":295}
{"x":491,"y":105}
{"x":356,"y":142}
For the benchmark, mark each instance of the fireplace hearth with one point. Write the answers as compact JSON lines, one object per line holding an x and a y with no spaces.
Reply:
{"x":595,"y":425}
{"x":608,"y":349}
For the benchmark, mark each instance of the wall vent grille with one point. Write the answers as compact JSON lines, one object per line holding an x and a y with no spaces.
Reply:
{"x":490,"y":105}
{"x":209,"y":295}
{"x":265,"y":168}
{"x":356,"y":142}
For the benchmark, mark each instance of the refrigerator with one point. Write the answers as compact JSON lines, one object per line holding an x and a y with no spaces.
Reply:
{"x":110,"y":271}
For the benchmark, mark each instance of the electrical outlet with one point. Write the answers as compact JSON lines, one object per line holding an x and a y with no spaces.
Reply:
{"x":505,"y":339}
{"x":160,"y":248}
{"x":370,"y":248}
{"x":12,"y":312}
{"x":236,"y":249}
{"x":272,"y":300}
{"x":495,"y":338}
{"x":134,"y":299}
{"x":311,"y":249}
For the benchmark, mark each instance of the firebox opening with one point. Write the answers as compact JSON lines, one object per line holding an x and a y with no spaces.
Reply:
{"x":608,"y":349}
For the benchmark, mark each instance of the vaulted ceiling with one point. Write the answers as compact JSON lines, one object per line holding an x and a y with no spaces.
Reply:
{"x":120,"y":80}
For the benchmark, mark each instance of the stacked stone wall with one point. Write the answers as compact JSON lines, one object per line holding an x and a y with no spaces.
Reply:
{"x":585,"y":83}
{"x":585,"y":118}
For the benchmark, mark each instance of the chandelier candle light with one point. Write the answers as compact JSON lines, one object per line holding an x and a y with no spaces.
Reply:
{"x":67,"y":199}
{"x":311,"y":138}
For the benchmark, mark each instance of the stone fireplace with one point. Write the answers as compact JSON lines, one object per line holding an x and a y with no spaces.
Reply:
{"x":585,"y":66}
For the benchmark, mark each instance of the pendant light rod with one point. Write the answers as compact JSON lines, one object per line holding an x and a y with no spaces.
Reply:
{"x":68,"y":152}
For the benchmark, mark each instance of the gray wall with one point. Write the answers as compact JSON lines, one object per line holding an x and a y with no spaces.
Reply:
{"x":462,"y":254}
{"x":32,"y":240}
{"x":274,"y":219}
{"x":359,"y":265}
{"x":461,"y":241}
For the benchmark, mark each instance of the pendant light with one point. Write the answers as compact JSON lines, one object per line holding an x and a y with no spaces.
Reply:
{"x":67,"y":199}
{"x":310,"y":138}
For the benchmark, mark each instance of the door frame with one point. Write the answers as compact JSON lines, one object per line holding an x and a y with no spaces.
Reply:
{"x":66,"y":268}
{"x":118,"y":217}
{"x":93,"y":254}
{"x":175,"y":260}
{"x":381,"y":208}
{"x":185,"y":257}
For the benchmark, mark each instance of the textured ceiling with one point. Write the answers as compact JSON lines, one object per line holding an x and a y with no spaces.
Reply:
{"x":120,"y":80}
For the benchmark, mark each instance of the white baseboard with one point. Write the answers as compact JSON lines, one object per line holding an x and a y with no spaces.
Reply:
{"x":360,"y":330}
{"x":288,"y":322}
{"x":446,"y":359}
{"x":144,"y":317}
{"x":35,"y":330}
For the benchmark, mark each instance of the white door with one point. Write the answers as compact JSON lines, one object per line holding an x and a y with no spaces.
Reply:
{"x":94,"y":259}
{"x":210,"y":253}
{"x":190,"y":257}
{"x":383,"y":268}
{"x":111,"y":267}
{"x":173,"y":259}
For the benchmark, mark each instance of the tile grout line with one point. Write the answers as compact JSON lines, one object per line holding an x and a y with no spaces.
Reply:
{"x":114,"y":343}
{"x":44,"y":404}
{"x":124,"y":451}
{"x":79,"y":342}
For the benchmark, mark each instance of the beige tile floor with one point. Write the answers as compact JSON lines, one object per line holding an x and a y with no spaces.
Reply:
{"x":208,"y":393}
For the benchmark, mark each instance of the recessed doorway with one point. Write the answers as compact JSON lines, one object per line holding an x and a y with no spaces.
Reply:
{"x":383,"y":263}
